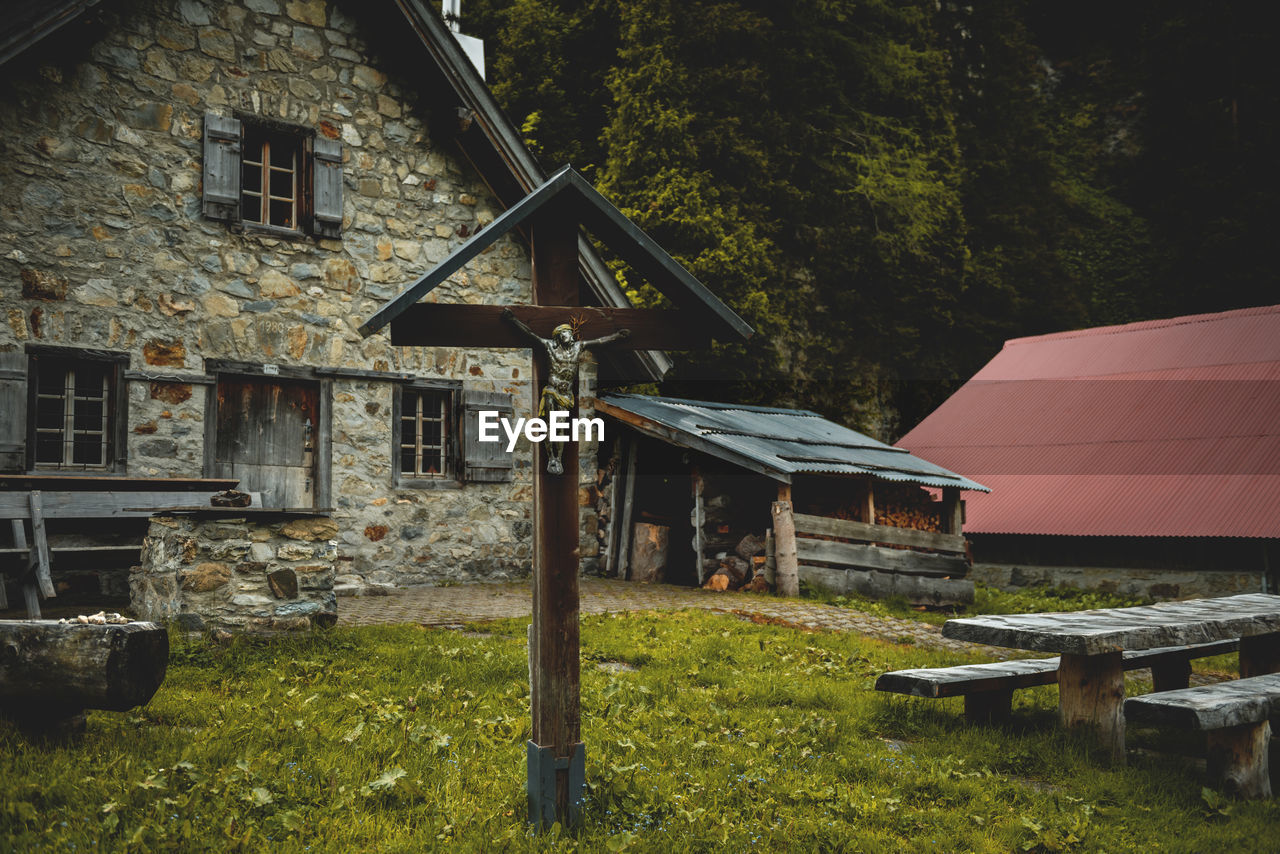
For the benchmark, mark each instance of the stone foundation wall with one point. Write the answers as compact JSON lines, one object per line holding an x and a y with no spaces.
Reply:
{"x":1141,"y":583}
{"x":264,"y":574}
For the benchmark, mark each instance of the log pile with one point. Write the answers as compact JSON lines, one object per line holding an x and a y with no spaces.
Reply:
{"x":897,"y":506}
{"x":906,"y":516}
{"x":741,"y":569}
{"x":604,"y":509}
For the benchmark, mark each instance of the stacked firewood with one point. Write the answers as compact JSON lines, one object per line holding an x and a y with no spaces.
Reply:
{"x":604,"y":510}
{"x":897,"y":505}
{"x":902,"y":505}
{"x":742,"y":569}
{"x":899,"y":516}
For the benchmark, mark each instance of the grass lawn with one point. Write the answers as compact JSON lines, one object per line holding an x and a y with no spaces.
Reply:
{"x":728,"y":735}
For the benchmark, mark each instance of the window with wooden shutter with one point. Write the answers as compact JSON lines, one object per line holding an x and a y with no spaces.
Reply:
{"x":13,"y":412}
{"x":269,"y":176}
{"x":425,"y":439}
{"x":485,"y":462}
{"x":327,"y":193}
{"x":221,"y":167}
{"x":75,"y":411}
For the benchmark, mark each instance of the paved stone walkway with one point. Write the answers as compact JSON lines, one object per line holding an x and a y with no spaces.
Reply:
{"x":469,"y":603}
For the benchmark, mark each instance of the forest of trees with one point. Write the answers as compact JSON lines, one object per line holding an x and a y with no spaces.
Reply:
{"x":888,"y":189}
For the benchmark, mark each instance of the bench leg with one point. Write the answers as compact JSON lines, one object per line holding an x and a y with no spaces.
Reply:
{"x":988,"y":707}
{"x":1259,"y":655}
{"x":1238,"y":760}
{"x":1091,"y":694}
{"x":1170,"y":676}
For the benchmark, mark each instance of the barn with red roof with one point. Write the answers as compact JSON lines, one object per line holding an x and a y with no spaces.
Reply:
{"x":1143,"y":458}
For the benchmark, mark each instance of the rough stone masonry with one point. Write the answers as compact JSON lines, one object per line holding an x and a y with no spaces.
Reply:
{"x":103,"y":244}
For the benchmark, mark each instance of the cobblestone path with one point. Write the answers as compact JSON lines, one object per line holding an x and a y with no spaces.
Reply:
{"x":469,"y":603}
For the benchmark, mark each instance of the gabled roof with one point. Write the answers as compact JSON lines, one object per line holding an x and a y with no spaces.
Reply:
{"x":775,"y":442}
{"x":576,"y":197}
{"x":483,"y":133}
{"x":1162,"y":428}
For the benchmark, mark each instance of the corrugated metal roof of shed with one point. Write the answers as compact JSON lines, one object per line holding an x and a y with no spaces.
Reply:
{"x":787,"y":441}
{"x":1162,"y":428}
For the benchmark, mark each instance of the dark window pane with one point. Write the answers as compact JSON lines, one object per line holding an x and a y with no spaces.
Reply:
{"x":52,"y":380}
{"x":282,"y":184}
{"x":49,"y":448}
{"x":89,"y":381}
{"x":282,"y":152}
{"x":49,"y":413}
{"x":88,"y":415}
{"x":251,"y":209}
{"x":87,"y":451}
{"x":251,"y":178}
{"x":282,"y":214}
{"x":406,"y":461}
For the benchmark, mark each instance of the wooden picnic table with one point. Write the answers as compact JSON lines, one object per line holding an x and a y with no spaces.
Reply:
{"x":1092,"y":644}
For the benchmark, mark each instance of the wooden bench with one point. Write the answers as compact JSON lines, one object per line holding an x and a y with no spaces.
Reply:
{"x":1235,"y":719}
{"x":988,"y":688}
{"x":82,"y":499}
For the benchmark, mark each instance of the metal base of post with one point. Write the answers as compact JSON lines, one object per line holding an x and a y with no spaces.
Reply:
{"x":544,"y":768}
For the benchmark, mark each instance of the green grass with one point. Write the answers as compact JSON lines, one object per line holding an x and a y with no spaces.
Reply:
{"x":987,"y":600}
{"x":730,"y":736}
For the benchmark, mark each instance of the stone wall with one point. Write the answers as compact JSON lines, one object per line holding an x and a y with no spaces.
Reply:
{"x":222,"y":572}
{"x":1146,"y":567}
{"x":1140,"y":583}
{"x":103,"y":244}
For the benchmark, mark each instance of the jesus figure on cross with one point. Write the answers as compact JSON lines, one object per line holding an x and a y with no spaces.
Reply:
{"x":563,"y":351}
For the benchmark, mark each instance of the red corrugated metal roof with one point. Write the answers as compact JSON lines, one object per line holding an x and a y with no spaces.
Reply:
{"x":1165,"y":428}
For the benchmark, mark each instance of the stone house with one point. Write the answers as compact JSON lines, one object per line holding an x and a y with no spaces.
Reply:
{"x":199,"y":203}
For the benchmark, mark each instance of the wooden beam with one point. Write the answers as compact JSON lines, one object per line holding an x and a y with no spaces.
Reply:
{"x":623,"y":519}
{"x":850,"y":530}
{"x":698,"y":518}
{"x":952,"y":516}
{"x":554,"y":694}
{"x":29,"y":595}
{"x":460,"y":325}
{"x":40,"y":540}
{"x":867,"y":502}
{"x":784,"y":537}
{"x":874,"y":557}
{"x":99,"y":504}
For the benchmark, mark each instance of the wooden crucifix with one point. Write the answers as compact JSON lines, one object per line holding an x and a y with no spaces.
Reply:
{"x":552,"y":214}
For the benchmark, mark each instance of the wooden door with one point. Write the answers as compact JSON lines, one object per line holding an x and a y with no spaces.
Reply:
{"x":266,"y":437}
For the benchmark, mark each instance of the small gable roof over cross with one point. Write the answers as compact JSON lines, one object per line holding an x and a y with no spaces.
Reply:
{"x":576,"y":198}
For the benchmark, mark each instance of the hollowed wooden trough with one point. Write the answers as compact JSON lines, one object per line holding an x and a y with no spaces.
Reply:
{"x":51,"y":671}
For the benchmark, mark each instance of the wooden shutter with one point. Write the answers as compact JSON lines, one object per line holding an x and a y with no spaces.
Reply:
{"x":13,"y":412}
{"x":485,"y":462}
{"x":221,"y":167}
{"x":327,"y":193}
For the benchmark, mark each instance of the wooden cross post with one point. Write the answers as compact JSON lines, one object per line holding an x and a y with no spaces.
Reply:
{"x":557,"y":758}
{"x":553,"y":212}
